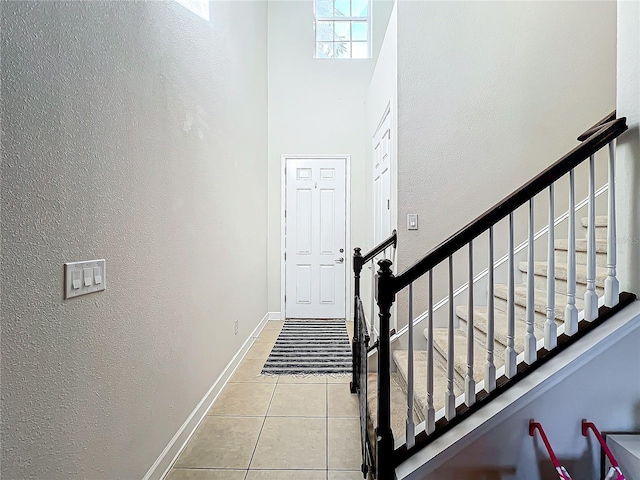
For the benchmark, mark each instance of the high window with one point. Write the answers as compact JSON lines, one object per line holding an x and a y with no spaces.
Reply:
{"x":343,"y":28}
{"x":199,"y":7}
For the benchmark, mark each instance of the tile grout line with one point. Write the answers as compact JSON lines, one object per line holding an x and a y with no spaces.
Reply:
{"x":266,"y":413}
{"x":326,"y":396}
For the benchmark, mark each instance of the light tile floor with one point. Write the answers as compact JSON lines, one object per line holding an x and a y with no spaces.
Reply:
{"x":275,"y":427}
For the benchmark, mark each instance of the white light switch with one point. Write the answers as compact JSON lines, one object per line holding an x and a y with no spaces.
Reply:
{"x":97,"y":275}
{"x":412,"y":221}
{"x":84,"y":277}
{"x":87,"y":277}
{"x":76,"y":283}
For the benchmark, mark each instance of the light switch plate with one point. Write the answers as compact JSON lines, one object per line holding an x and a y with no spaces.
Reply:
{"x":88,"y":271}
{"x":412,"y":221}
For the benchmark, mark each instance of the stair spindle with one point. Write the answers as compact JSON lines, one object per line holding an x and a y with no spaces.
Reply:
{"x":410,"y":430}
{"x":431,"y":411}
{"x":490,"y":368}
{"x":470,"y":383}
{"x":590,"y":296}
{"x":450,"y":399}
{"x":510,"y":355}
{"x":530,"y":337}
{"x":571,"y":311}
{"x":550,"y":328}
{"x":611,"y":284}
{"x":373,"y":323}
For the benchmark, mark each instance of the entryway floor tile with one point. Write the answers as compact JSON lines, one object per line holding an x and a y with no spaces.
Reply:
{"x":243,"y":399}
{"x":286,"y":475}
{"x":222,"y":442}
{"x":344,"y":444}
{"x":205,"y":474}
{"x":338,"y":475}
{"x":276,"y":427}
{"x":299,"y":400}
{"x":291,"y":443}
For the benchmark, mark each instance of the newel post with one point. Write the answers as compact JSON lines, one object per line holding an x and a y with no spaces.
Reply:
{"x":385,"y":296}
{"x":355,"y":346}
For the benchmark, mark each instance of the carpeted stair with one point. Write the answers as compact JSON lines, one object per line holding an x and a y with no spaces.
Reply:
{"x":440,"y":340}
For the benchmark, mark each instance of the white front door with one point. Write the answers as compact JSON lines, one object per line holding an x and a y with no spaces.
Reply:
{"x":315,"y":238}
{"x":382,"y":154}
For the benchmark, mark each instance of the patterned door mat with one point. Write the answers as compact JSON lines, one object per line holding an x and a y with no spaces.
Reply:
{"x":310,"y":347}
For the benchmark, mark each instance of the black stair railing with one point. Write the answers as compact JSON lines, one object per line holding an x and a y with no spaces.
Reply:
{"x":388,"y":457}
{"x":360,"y":350}
{"x":359,"y":261}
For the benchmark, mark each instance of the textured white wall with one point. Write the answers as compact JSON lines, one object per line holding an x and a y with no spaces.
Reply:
{"x":383,"y":92}
{"x":601,"y":390}
{"x":135,"y":132}
{"x":490,"y":94}
{"x":628,"y":152}
{"x":316,"y":106}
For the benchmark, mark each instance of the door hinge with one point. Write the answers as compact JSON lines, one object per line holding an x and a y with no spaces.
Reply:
{"x":388,"y":202}
{"x":285,"y":255}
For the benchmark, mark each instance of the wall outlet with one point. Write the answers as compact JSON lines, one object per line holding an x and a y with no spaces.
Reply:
{"x":235,"y":326}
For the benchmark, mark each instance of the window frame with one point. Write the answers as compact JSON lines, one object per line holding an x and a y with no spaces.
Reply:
{"x":366,"y":19}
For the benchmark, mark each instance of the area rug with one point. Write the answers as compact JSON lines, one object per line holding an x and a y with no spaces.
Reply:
{"x":310,"y":347}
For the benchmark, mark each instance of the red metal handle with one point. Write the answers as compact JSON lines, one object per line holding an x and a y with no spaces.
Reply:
{"x":586,"y":426}
{"x":562,"y":472}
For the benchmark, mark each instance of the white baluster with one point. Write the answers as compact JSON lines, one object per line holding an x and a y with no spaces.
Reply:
{"x":590,"y":296}
{"x":410,"y":431}
{"x":530,"y":336}
{"x":550,"y":328}
{"x":373,"y":322}
{"x":571,"y":311}
{"x":450,"y":399}
{"x":431,"y":411}
{"x":510,"y":356}
{"x":470,"y":383}
{"x":490,"y":368}
{"x":611,"y":284}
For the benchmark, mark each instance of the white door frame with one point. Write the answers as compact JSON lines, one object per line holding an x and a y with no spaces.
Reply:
{"x":283,"y":203}
{"x":388,"y":112}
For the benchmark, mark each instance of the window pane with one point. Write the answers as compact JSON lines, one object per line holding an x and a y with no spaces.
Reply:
{"x":359,"y":50}
{"x":324,"y":50}
{"x":324,"y":31}
{"x":343,"y":31}
{"x":324,"y":8}
{"x":359,"y":8}
{"x":359,"y":30}
{"x":343,"y":8}
{"x":342,"y":50}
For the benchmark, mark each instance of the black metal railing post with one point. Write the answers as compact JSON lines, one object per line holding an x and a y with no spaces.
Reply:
{"x":355,"y":347}
{"x":385,"y":296}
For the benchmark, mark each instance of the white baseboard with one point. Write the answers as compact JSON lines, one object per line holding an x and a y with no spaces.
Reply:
{"x":169,"y":455}
{"x":274,"y":316}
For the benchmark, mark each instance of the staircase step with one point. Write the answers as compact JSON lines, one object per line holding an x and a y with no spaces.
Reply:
{"x":540,"y":272}
{"x":500,"y":329}
{"x":540,"y":302}
{"x":398,"y":404}
{"x":440,"y":345}
{"x":601,"y":225}
{"x":400,"y":358}
{"x":562,"y":247}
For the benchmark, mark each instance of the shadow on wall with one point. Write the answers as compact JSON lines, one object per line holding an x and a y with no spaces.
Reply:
{"x":488,"y":473}
{"x":578,"y":467}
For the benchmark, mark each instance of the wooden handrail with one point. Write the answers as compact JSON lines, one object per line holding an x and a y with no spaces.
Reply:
{"x":597,"y":126}
{"x":595,"y":142}
{"x":392,"y":240}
